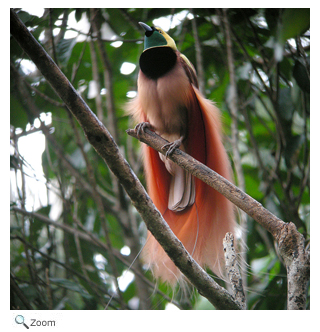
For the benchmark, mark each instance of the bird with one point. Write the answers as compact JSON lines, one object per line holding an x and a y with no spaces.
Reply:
{"x":169,"y":102}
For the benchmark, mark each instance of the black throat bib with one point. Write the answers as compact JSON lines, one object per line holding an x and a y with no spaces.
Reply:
{"x":156,"y":62}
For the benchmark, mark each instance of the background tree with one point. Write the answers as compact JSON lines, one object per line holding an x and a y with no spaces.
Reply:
{"x":73,"y":243}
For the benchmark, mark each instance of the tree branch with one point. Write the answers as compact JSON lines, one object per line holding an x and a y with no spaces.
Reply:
{"x":233,"y":270}
{"x":245,"y":202}
{"x":106,"y":147}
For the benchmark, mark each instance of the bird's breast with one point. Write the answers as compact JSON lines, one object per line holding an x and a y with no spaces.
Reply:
{"x":165,"y":101}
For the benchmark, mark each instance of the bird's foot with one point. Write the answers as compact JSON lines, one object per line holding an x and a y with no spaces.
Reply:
{"x":142,"y":126}
{"x":172,"y":146}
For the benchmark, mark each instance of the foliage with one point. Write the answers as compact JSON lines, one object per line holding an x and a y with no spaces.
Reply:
{"x":71,"y":250}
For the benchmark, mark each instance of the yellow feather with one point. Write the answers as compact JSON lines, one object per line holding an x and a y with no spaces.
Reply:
{"x":170,"y":41}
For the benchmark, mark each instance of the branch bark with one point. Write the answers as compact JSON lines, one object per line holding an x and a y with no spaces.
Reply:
{"x":104,"y":144}
{"x":233,"y":270}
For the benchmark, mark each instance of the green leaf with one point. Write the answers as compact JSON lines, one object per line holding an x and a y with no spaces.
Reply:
{"x":18,"y":116}
{"x":301,"y":75}
{"x":286,"y":106}
{"x":71,"y":285}
{"x":78,"y":15}
{"x":295,"y":21}
{"x":64,"y":50}
{"x":292,"y":147}
{"x":203,"y":304}
{"x":24,"y":16}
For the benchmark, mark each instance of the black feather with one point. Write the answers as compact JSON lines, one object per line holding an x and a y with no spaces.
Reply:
{"x":156,"y":62}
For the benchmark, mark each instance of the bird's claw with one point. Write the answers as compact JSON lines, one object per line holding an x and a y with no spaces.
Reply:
{"x":141,"y":127}
{"x":172,"y":146}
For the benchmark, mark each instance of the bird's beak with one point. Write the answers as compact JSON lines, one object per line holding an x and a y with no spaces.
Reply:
{"x":145,"y":27}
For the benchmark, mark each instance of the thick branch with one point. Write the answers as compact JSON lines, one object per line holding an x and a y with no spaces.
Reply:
{"x":106,"y":147}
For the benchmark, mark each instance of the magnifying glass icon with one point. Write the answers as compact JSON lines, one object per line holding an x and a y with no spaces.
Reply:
{"x":20,"y":320}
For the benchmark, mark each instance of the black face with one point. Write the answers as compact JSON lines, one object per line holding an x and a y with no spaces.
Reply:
{"x":156,"y":62}
{"x":149,"y":33}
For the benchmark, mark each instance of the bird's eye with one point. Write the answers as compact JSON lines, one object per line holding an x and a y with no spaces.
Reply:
{"x":160,"y":31}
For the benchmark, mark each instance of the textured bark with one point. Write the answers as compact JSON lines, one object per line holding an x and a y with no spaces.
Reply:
{"x":297,"y":261}
{"x":233,"y":270}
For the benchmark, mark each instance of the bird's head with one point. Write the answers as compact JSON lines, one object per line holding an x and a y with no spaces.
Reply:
{"x":156,"y":37}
